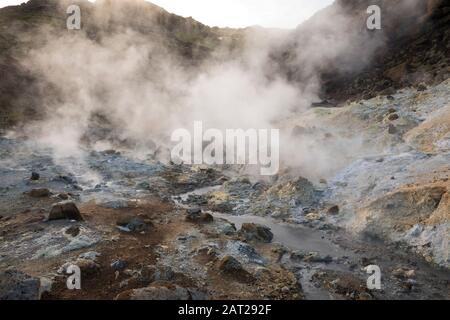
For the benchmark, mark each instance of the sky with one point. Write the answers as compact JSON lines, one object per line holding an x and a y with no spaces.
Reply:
{"x":238,"y":13}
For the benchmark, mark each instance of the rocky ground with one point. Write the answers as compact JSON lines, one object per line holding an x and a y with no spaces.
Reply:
{"x":140,"y":229}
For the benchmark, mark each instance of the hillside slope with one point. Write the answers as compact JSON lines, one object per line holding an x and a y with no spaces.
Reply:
{"x":32,"y":24}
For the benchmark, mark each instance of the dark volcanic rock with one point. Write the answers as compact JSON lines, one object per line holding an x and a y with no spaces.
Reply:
{"x":35,"y":176}
{"x":65,"y":210}
{"x":228,"y":264}
{"x":16,"y":285}
{"x":252,"y":231}
{"x":39,"y":193}
{"x":197,"y":216}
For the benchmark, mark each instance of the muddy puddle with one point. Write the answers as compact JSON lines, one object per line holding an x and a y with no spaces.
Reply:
{"x":349,"y":256}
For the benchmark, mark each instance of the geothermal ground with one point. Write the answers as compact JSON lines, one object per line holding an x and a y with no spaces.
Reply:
{"x":148,"y":230}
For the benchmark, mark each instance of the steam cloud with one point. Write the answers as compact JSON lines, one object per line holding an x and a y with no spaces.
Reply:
{"x":130,"y":82}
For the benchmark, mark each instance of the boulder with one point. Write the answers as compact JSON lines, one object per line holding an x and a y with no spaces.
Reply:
{"x":256,"y":232}
{"x":39,"y":193}
{"x":65,"y":210}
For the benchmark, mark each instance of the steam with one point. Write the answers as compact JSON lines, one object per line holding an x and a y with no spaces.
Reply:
{"x":136,"y":87}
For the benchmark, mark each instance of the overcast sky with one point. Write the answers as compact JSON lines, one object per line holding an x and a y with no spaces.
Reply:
{"x":238,"y":13}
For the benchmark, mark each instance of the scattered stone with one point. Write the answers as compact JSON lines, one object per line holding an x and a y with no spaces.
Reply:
{"x":65,"y":210}
{"x":39,"y":193}
{"x":196,"y":216}
{"x":35,"y":176}
{"x":87,"y":267}
{"x":73,"y":231}
{"x":91,"y":255}
{"x":16,"y":285}
{"x":133,"y":224}
{"x":66,"y":179}
{"x":194,"y":211}
{"x":393,"y":117}
{"x":402,"y":273}
{"x":119,"y":265}
{"x":207,"y":252}
{"x":245,"y":252}
{"x":312,"y":257}
{"x":63,"y":196}
{"x":228,"y":264}
{"x":334,"y":210}
{"x":252,"y":231}
{"x":422,"y":87}
{"x":313,"y":216}
{"x":111,"y":152}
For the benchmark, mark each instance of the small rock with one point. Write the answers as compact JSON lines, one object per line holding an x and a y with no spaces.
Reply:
{"x":65,"y":210}
{"x":334,"y":210}
{"x":63,"y":196}
{"x":133,"y":224}
{"x":91,"y":255}
{"x":73,"y":231}
{"x":393,"y":117}
{"x":228,"y":264}
{"x":194,"y":211}
{"x":403,"y":273}
{"x":39,"y":193}
{"x":196,"y":216}
{"x":119,"y":265}
{"x":35,"y":176}
{"x":421,"y":87}
{"x":87,"y":267}
{"x":252,"y":231}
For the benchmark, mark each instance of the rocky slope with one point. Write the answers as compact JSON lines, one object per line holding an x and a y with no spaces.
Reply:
{"x":411,"y":48}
